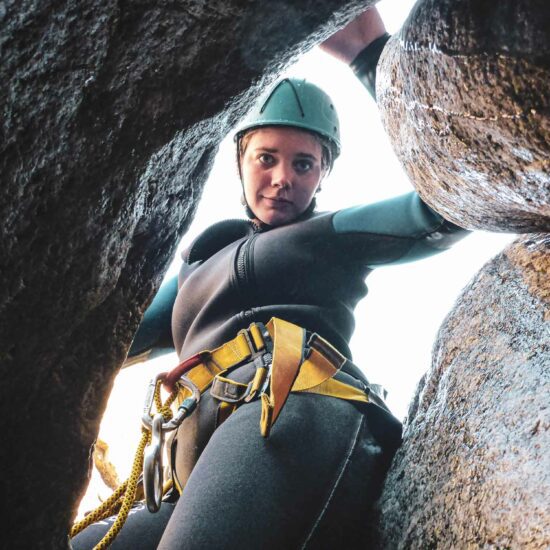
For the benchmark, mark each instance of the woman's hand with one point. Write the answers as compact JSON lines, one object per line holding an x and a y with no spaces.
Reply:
{"x":345,"y":44}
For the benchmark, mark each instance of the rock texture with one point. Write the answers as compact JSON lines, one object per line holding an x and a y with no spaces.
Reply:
{"x":474,"y":470}
{"x":111,"y":115}
{"x":465,"y":96}
{"x":464,"y":91}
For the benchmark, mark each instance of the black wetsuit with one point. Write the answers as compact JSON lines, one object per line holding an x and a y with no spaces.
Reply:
{"x":312,"y":483}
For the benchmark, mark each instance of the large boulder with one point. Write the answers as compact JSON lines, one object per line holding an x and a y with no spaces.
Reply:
{"x":111,"y":115}
{"x":474,"y":469}
{"x":464,"y":92}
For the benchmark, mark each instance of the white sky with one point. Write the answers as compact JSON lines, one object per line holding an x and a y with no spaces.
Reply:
{"x":397,"y":322}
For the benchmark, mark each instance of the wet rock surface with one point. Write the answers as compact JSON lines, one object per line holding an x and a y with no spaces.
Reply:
{"x":112,"y":113}
{"x":464,"y":92}
{"x":473,"y":471}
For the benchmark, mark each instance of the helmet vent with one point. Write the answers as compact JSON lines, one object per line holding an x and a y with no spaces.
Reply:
{"x":293,"y":88}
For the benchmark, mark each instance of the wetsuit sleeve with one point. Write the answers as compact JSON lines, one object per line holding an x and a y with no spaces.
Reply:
{"x":401,"y":229}
{"x":364,"y":65}
{"x":397,"y":230}
{"x":154,"y":335}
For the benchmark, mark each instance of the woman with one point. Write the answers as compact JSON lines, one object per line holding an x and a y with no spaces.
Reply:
{"x":312,"y":482}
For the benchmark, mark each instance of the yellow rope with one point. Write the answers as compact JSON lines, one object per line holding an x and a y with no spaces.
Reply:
{"x":105,"y":509}
{"x":128,"y":499}
{"x":124,"y":496}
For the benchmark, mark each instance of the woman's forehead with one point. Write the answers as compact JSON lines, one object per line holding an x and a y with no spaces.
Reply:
{"x":277,"y":137}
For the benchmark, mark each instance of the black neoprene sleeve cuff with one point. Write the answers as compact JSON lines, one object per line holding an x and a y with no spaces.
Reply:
{"x":364,"y":64}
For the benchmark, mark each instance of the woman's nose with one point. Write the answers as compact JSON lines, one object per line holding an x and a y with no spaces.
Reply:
{"x":282,"y":177}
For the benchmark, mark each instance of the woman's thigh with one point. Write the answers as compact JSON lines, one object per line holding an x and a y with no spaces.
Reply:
{"x":311,"y":483}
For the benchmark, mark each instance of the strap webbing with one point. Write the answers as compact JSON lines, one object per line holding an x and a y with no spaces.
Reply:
{"x":340,"y":390}
{"x":289,"y":371}
{"x":315,"y":370}
{"x":288,"y":352}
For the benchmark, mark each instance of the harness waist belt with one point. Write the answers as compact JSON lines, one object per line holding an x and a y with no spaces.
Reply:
{"x":284,"y":362}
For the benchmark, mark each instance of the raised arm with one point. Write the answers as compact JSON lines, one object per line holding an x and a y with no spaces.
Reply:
{"x":411,"y":229}
{"x":359,"y":45}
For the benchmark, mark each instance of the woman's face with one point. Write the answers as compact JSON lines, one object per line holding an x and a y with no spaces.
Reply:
{"x":281,"y":171}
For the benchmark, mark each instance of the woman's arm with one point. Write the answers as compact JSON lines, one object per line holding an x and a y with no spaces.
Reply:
{"x":359,"y":44}
{"x":397,"y":230}
{"x":409,"y":228}
{"x":154,"y":335}
{"x":346,"y":44}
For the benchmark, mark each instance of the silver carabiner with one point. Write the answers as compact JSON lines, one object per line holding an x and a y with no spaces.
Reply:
{"x":184,"y":410}
{"x":146,"y":417}
{"x":187,"y":406}
{"x":153,"y":474}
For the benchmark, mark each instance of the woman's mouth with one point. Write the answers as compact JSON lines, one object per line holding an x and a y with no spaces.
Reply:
{"x":277,"y":201}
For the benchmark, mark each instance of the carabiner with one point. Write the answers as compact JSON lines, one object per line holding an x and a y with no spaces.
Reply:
{"x":184,"y":410}
{"x":147,"y":417}
{"x":153,"y":475}
{"x":187,"y":406}
{"x":152,"y":461}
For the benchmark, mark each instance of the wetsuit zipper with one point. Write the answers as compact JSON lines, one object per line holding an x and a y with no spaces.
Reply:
{"x":245,"y":264}
{"x":244,"y":271}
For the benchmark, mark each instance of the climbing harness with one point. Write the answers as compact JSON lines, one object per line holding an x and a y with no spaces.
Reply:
{"x":286,"y":359}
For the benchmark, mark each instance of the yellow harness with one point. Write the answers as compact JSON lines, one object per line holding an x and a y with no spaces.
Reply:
{"x":289,"y":364}
{"x":284,"y":362}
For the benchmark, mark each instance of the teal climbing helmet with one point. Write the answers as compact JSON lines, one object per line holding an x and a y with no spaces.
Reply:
{"x":299,"y":104}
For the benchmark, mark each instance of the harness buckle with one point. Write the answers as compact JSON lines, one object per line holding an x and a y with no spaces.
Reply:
{"x":262,"y":377}
{"x":227,"y":390}
{"x":260,"y":383}
{"x":330,"y":353}
{"x":231,"y":391}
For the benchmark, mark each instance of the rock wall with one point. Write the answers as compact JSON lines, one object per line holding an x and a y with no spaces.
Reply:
{"x":465,"y":97}
{"x":111,"y":115}
{"x":474,"y":469}
{"x":464,"y":91}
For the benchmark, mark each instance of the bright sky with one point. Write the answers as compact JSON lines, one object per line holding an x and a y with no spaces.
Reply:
{"x":398,"y":321}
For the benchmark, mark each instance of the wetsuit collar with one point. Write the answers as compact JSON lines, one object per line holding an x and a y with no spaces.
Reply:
{"x":261,"y":227}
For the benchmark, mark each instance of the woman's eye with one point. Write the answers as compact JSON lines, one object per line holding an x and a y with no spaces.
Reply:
{"x":266,"y":158}
{"x":303,"y":165}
